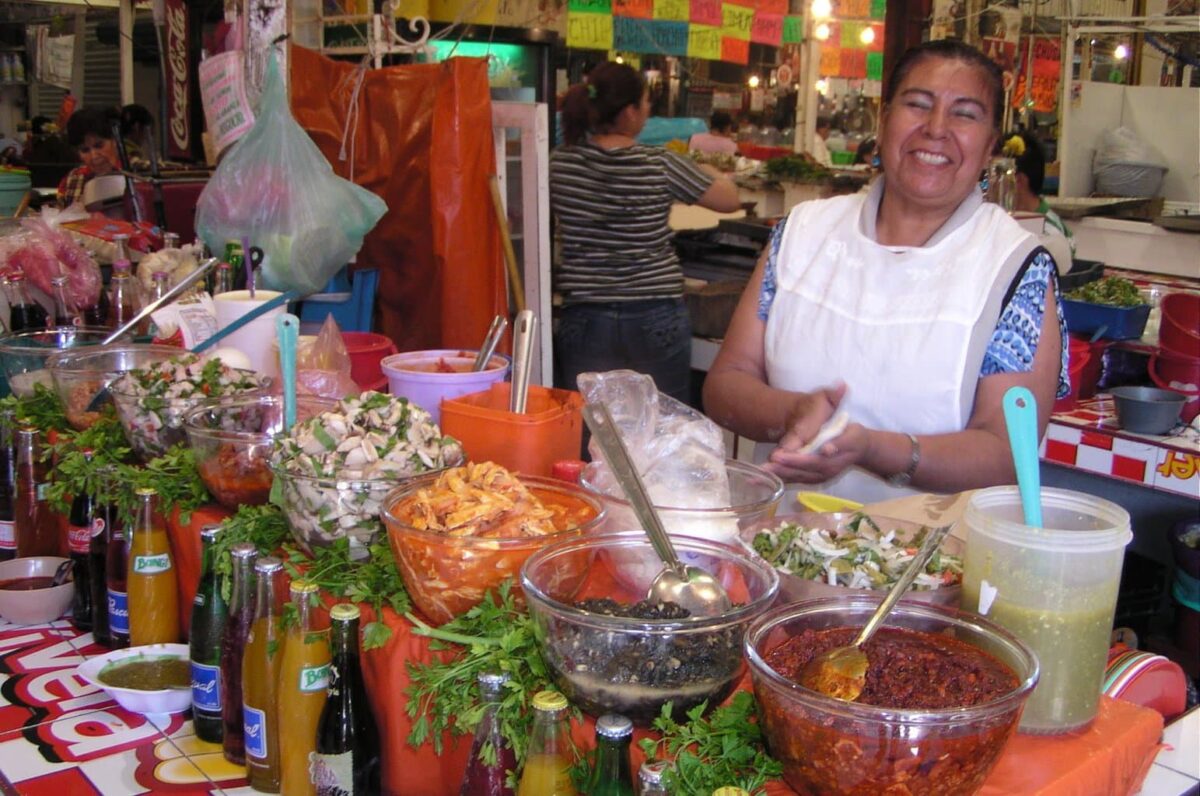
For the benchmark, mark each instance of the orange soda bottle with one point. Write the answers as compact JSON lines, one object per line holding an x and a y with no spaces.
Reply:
{"x":260,"y":679}
{"x":303,"y":680}
{"x":548,"y":759}
{"x":151,"y":581}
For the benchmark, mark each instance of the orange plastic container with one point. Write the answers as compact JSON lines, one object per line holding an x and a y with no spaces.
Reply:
{"x":550,"y":430}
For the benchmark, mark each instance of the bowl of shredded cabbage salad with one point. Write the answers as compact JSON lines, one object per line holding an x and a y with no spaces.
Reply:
{"x":823,"y":555}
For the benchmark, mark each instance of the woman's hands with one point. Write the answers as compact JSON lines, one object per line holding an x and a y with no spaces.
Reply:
{"x":809,"y":412}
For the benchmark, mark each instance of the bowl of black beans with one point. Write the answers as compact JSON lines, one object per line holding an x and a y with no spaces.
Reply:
{"x":609,"y":650}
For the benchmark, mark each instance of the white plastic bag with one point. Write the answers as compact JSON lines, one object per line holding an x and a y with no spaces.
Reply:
{"x":276,"y":189}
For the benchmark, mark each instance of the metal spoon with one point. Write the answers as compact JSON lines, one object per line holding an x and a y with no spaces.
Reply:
{"x":524,"y":333}
{"x":495,"y":332}
{"x":690,"y":587}
{"x":842,"y":671}
{"x":60,"y":574}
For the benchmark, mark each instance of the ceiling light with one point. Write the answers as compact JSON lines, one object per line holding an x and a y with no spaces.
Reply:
{"x":822,"y":86}
{"x":822,"y":9}
{"x":868,"y":35}
{"x":753,"y":81}
{"x":1121,"y":53}
{"x":822,"y":32}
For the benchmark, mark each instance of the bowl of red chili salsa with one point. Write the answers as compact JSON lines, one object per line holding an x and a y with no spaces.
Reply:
{"x":944,"y":694}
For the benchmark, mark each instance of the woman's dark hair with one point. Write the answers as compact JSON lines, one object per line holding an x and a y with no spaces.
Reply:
{"x":951,"y":50}
{"x":865,"y":149}
{"x":96,"y":121}
{"x":135,"y":116}
{"x":1033,"y":163}
{"x":720,"y":121}
{"x":593,"y":107}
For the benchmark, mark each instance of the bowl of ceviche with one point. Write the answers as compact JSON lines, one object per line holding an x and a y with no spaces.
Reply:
{"x":824,"y":555}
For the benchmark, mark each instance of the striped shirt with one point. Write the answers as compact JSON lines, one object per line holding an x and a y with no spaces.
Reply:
{"x":612,"y":207}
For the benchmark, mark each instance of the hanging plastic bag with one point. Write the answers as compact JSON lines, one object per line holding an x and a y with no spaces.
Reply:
{"x":276,"y":189}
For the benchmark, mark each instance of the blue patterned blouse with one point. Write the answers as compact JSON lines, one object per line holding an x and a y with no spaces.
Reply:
{"x":1015,"y":340}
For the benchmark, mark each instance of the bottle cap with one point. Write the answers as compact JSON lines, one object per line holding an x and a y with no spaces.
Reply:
{"x":492,"y":679}
{"x":243,"y":550}
{"x":268,"y":565}
{"x":614,"y":727}
{"x":651,"y":772}
{"x":120,"y":236}
{"x":303,"y":587}
{"x":145,"y":491}
{"x":549,"y":700}
{"x":344,"y":612}
{"x":730,"y":790}
{"x":209,"y":532}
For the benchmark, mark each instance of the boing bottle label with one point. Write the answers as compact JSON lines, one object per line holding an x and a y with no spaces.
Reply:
{"x":314,"y":678}
{"x":118,"y":612}
{"x":151,"y":565}
{"x":206,"y":688}
{"x":255,"y":726}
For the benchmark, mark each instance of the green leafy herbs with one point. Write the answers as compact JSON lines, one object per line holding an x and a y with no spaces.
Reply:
{"x":43,"y":410}
{"x":90,"y":462}
{"x":175,"y":477}
{"x":262,"y":526}
{"x":795,"y":168}
{"x":1113,"y":290}
{"x":494,"y":636}
{"x":726,"y":748}
{"x":373,"y":580}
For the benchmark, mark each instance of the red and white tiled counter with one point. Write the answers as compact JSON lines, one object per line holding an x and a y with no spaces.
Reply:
{"x":1088,"y":438}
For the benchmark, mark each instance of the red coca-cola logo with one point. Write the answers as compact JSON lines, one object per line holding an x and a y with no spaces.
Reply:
{"x":177,"y":61}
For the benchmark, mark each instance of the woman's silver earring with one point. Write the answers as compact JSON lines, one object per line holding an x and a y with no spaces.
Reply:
{"x":983,"y":182}
{"x":876,"y":162}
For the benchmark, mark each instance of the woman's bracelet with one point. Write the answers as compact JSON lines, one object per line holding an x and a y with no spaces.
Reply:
{"x":904,"y":478}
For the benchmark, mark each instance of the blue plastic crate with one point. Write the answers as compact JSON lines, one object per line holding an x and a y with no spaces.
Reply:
{"x":1118,"y":323}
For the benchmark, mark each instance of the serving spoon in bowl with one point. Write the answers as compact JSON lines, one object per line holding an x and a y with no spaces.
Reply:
{"x":841,"y":672}
{"x":687,"y":586}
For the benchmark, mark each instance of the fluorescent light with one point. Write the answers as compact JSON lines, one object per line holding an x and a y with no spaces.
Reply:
{"x":822,"y":9}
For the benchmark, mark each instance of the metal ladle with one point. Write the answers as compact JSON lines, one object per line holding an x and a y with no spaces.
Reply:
{"x":690,"y":587}
{"x":841,"y":672}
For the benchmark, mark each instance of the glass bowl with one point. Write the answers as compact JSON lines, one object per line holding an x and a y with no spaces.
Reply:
{"x":232,"y":439}
{"x":754,"y":497}
{"x":634,"y":666}
{"x":448,"y":575}
{"x":833,"y":747}
{"x":79,"y":374}
{"x":794,"y":587}
{"x":153,"y":427}
{"x":24,"y":356}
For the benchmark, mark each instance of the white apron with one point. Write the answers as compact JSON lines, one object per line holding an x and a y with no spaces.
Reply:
{"x":906,"y":328}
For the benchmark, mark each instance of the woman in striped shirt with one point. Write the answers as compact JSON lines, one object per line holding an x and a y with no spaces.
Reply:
{"x":617,"y":272}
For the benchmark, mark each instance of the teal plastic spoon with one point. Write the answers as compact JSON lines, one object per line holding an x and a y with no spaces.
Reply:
{"x":287,"y":329}
{"x":1020,"y":415}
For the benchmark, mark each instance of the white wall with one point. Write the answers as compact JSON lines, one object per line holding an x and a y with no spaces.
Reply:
{"x":1165,"y":118}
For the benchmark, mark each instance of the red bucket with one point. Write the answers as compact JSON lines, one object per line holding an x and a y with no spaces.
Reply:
{"x":1079,"y":356}
{"x":1179,"y":329}
{"x":367,"y":350}
{"x":1180,"y":373}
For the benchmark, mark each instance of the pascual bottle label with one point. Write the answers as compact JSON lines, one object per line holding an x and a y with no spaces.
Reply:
{"x":314,"y":678}
{"x":255,"y":726}
{"x":151,"y":565}
{"x":332,"y":775}
{"x":206,"y":687}
{"x":118,"y":612}
{"x":8,"y":537}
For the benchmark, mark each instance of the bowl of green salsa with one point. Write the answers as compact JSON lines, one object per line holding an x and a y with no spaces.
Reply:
{"x":155,"y":678}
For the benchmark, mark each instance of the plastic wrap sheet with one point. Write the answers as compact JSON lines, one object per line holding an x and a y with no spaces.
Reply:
{"x":422,"y":142}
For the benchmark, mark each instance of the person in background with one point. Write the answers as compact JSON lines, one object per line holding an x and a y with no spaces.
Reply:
{"x":865,"y":152}
{"x":617,"y":270}
{"x":1030,"y":159}
{"x":718,"y":139}
{"x":913,"y":307}
{"x":10,"y":150}
{"x":90,"y":132}
{"x":136,"y":125}
{"x":820,"y":151}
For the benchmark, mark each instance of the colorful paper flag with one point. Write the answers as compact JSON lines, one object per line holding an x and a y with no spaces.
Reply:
{"x":650,"y":36}
{"x":641,"y":9}
{"x":706,"y":12}
{"x":793,"y":30}
{"x":853,"y":63}
{"x":590,"y":6}
{"x":704,"y":41}
{"x":831,"y":60}
{"x":590,"y":31}
{"x":678,"y":10}
{"x":736,"y":21}
{"x":767,"y":29}
{"x":735,"y":51}
{"x":874,"y":66}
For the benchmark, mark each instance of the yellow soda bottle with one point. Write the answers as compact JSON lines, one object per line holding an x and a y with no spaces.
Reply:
{"x":151,"y":578}
{"x":260,"y":678}
{"x":303,"y":680}
{"x":548,"y":760}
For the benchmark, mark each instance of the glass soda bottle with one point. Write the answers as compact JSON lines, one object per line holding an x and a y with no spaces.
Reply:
{"x":233,"y":644}
{"x":24,"y":314}
{"x":209,"y":613}
{"x":347,"y":757}
{"x":35,"y":525}
{"x":122,"y":300}
{"x":260,"y":679}
{"x":64,"y":312}
{"x":485,"y":778}
{"x":303,"y":681}
{"x":222,"y":279}
{"x":730,"y":790}
{"x":161,"y":286}
{"x":170,"y":240}
{"x":102,"y":519}
{"x":650,"y":778}
{"x":116,"y":576}
{"x":79,"y":549}
{"x":151,"y":582}
{"x":548,"y":759}
{"x":8,"y":485}
{"x":612,"y":773}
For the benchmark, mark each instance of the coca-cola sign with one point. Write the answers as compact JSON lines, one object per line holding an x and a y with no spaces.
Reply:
{"x":179,"y":140}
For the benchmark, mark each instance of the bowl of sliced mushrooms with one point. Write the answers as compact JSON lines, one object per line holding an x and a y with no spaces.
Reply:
{"x":333,"y":470}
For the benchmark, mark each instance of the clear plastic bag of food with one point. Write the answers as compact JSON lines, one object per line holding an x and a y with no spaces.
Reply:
{"x":323,"y":368}
{"x":43,"y":251}
{"x":275,"y":189}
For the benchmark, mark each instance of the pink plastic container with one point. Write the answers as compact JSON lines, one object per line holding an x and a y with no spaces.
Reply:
{"x":426,"y":377}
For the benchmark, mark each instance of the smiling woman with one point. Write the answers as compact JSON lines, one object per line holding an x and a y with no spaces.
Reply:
{"x":913,"y":307}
